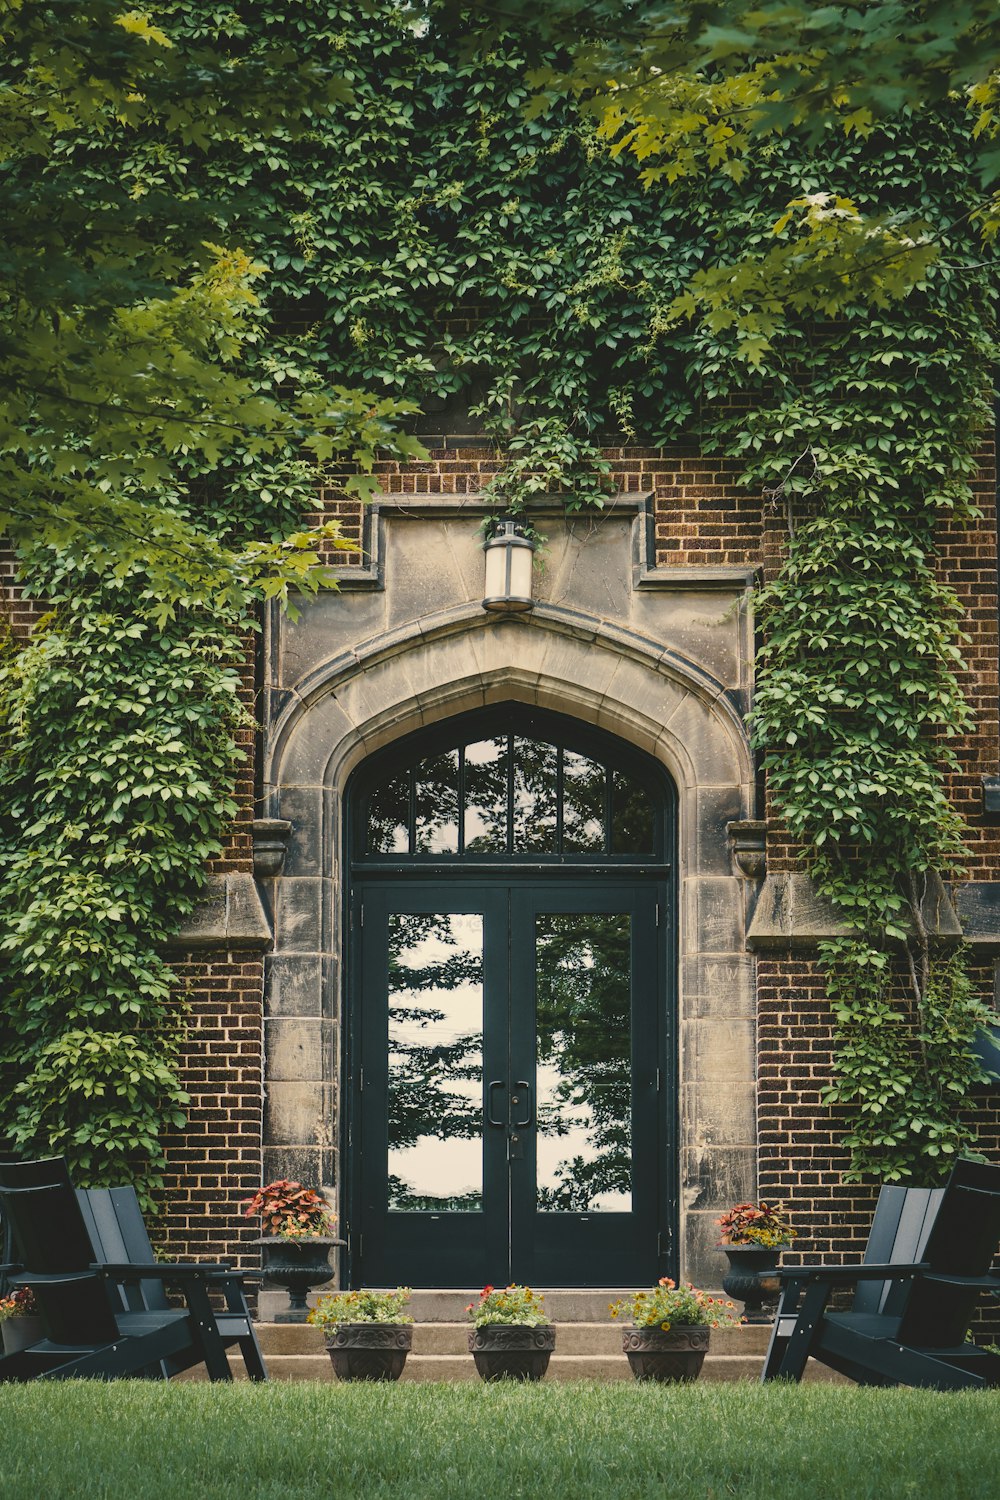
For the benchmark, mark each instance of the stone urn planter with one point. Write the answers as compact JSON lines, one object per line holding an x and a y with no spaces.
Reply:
{"x":298,"y":1265}
{"x":751,"y":1279}
{"x":674,"y":1356}
{"x":368,"y":1333}
{"x":512,"y":1351}
{"x":753,"y":1237}
{"x":667,"y":1339}
{"x":296,"y":1252}
{"x":369,"y":1351}
{"x":19,"y":1333}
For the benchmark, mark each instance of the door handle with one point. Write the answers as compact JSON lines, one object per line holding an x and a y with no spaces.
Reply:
{"x":496,"y":1083}
{"x":523,"y":1099}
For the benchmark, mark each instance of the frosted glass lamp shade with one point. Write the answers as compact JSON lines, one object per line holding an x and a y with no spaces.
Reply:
{"x":508,"y":571}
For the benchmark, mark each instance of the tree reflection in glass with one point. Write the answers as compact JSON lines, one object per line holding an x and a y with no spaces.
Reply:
{"x":435,"y":798}
{"x":584,"y":781}
{"x":583,"y":1081}
{"x":632,"y":817}
{"x":504,"y":795}
{"x":435,"y":1062}
{"x":535,"y":812}
{"x":389,"y":817}
{"x":486,"y":796}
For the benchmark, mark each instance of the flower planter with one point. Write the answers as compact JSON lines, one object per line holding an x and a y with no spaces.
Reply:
{"x":369,"y":1351}
{"x":512,"y":1351}
{"x":298,"y":1266}
{"x":19,"y":1333}
{"x":672,"y":1356}
{"x":751,"y":1280}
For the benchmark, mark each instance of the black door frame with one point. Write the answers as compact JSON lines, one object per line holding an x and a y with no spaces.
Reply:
{"x":654,"y":877}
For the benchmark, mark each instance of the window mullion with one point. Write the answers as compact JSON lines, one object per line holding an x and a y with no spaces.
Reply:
{"x":461,"y":799}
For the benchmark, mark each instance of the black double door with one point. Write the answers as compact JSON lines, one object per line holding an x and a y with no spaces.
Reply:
{"x":511,"y":1115}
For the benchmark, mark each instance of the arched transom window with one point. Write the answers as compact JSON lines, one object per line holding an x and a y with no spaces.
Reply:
{"x":535,"y":789}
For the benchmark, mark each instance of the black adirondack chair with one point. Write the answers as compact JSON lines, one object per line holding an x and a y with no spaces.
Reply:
{"x":927,"y":1263}
{"x":120,"y":1242}
{"x":97,"y":1315}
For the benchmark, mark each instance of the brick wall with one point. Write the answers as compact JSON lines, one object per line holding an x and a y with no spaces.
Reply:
{"x":800,"y":1158}
{"x":17,"y":614}
{"x":702,"y":516}
{"x":215,"y":1161}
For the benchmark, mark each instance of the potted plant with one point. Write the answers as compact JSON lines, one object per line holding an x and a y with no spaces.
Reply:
{"x":368,"y":1334}
{"x":753,"y":1237}
{"x":511,"y":1337}
{"x":299,"y":1232}
{"x":20,"y":1324}
{"x":670,"y":1329}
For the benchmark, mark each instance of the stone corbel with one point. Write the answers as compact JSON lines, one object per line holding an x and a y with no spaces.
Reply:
{"x":270,"y":844}
{"x":747,"y":844}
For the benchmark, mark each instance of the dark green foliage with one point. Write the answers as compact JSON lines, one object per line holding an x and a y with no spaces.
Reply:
{"x":125,"y":305}
{"x":115,"y":783}
{"x":857,"y":697}
{"x":430,"y":239}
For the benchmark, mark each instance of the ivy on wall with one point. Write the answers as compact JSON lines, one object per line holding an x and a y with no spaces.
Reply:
{"x":115,"y":783}
{"x":432,"y":241}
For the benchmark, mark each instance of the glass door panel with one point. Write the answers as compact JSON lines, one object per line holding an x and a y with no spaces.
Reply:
{"x":435,"y":1068}
{"x":588,"y":1036}
{"x":583,"y":1065}
{"x":431,"y":1205}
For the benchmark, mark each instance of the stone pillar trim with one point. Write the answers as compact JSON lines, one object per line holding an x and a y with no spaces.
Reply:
{"x":437,"y":505}
{"x":978,"y":905}
{"x":229,"y":914}
{"x":657,"y":657}
{"x":647,"y":575}
{"x":790,"y":913}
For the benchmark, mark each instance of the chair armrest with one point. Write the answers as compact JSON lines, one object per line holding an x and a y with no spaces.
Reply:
{"x":989,"y":1282}
{"x":6,"y":1270}
{"x":848,"y":1274}
{"x":165,"y":1271}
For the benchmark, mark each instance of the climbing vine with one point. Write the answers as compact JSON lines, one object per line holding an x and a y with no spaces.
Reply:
{"x":857,"y":707}
{"x":434,"y":241}
{"x":115,"y":783}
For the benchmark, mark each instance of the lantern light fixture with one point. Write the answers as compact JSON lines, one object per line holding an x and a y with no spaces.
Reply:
{"x":509,"y":556}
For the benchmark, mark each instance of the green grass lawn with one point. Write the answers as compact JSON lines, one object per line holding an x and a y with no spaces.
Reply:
{"x":459,"y":1442}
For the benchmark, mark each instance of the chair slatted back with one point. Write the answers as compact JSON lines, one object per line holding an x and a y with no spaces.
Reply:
{"x":50,"y":1240}
{"x":118,"y":1234}
{"x":962,"y":1242}
{"x":904,"y":1218}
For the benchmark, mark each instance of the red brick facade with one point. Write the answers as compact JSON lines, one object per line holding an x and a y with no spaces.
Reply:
{"x":702,"y":517}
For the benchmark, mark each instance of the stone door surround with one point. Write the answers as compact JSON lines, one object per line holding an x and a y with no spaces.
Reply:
{"x":658,"y":659}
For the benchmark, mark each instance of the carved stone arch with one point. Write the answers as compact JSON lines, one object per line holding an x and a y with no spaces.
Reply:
{"x":632,"y":686}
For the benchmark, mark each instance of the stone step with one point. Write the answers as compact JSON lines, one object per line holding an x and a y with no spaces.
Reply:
{"x":447,"y":1305}
{"x":445,"y":1339}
